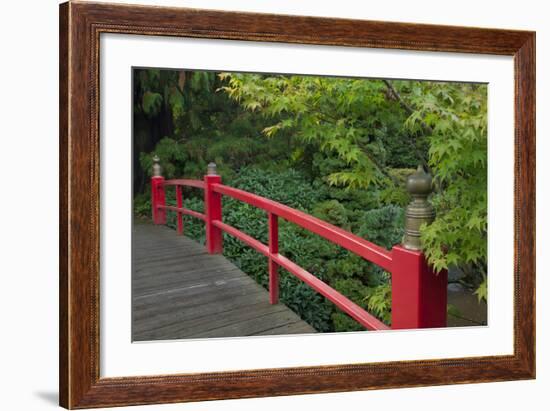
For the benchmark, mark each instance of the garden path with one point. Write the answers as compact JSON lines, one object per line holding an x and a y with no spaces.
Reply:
{"x":181,"y":291}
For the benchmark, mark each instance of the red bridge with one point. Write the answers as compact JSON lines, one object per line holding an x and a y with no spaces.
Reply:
{"x":419,"y":296}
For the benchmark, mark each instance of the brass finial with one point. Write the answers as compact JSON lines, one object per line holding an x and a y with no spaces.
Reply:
{"x":157,"y":169}
{"x":419,"y":210}
{"x":211,"y":170}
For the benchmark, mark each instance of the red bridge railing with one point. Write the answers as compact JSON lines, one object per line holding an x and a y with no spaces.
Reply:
{"x":419,"y":296}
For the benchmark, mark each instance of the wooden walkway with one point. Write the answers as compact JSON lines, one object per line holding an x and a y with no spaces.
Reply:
{"x":180,"y":291}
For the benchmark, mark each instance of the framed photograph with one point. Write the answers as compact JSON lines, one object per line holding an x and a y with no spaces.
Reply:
{"x":260,"y":205}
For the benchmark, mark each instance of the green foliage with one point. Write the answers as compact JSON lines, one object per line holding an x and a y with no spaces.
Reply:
{"x":151,"y":103}
{"x":453,"y":310}
{"x":383,"y":226}
{"x":342,"y":322}
{"x":396,"y":192}
{"x":142,"y":204}
{"x":172,"y":155}
{"x":332,"y":211}
{"x":456,"y":116}
{"x":289,"y":187}
{"x":339,"y":149}
{"x":481,"y":291}
{"x":192,"y":227}
{"x":379,"y":301}
{"x":153,"y":90}
{"x":356,"y":121}
{"x":350,"y":118}
{"x":205,"y":124}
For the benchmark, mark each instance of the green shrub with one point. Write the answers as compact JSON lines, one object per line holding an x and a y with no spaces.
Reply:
{"x":332,"y":211}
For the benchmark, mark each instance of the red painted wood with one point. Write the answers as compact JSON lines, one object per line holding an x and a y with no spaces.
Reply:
{"x":419,"y":296}
{"x":213,"y":208}
{"x":342,"y":302}
{"x":185,"y":211}
{"x":158,"y":199}
{"x":245,"y":238}
{"x":355,"y":244}
{"x":195,"y":214}
{"x":349,"y":307}
{"x":273,"y":225}
{"x":179,"y":204}
{"x":185,"y":182}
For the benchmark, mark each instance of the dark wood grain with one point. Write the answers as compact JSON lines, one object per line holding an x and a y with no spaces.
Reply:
{"x":80,"y":27}
{"x":524,"y":204}
{"x":63,"y":205}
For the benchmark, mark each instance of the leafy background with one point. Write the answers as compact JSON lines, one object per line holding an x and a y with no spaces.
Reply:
{"x":337,"y":148}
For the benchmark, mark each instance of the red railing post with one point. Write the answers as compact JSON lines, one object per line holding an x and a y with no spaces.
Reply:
{"x":213,"y":211}
{"x":273,"y":225}
{"x":158,"y":197}
{"x":179,"y":204}
{"x":419,"y":295}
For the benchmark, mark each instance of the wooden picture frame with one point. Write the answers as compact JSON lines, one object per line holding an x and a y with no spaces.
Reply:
{"x":80,"y":27}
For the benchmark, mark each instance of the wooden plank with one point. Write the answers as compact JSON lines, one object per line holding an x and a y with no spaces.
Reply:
{"x":179,"y":279}
{"x":187,"y":290}
{"x":299,"y":327}
{"x":185,"y":272}
{"x":206,"y":323}
{"x":208,"y":311}
{"x":251,"y":326}
{"x":195,"y":297}
{"x":181,"y":291}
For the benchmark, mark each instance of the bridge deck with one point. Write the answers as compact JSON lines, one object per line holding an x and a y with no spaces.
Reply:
{"x":180,"y":291}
